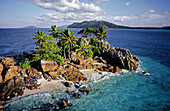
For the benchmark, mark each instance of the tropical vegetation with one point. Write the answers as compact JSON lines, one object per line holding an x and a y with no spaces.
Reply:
{"x":52,"y":49}
{"x":55,"y":32}
{"x":102,"y":33}
{"x":67,"y":40}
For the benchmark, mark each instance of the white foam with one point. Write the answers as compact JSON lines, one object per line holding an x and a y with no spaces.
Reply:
{"x":141,"y":71}
{"x":101,"y":76}
{"x":124,"y":71}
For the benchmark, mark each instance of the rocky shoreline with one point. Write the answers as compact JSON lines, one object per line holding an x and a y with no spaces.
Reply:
{"x":16,"y":81}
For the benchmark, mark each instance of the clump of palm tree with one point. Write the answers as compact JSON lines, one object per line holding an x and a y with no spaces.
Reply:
{"x":87,"y":31}
{"x":68,"y":41}
{"x":82,"y":48}
{"x":55,"y":31}
{"x":41,"y":37}
{"x":47,"y":49}
{"x":102,"y":33}
{"x":98,"y":48}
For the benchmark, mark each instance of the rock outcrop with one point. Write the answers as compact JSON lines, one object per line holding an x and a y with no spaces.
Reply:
{"x":48,"y":66}
{"x":107,"y":45}
{"x":110,"y":68}
{"x":33,"y":72}
{"x":71,"y":73}
{"x":1,"y":69}
{"x":8,"y":61}
{"x":65,"y":72}
{"x":13,"y":79}
{"x":75,"y":57}
{"x":11,"y":72}
{"x":11,"y":88}
{"x":123,"y":58}
{"x":81,"y":62}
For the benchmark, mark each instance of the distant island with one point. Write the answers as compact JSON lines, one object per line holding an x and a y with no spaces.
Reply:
{"x":30,"y":27}
{"x":96,"y":24}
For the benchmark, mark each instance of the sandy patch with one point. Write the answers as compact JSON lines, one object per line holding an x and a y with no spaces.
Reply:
{"x":87,"y":72}
{"x":46,"y":87}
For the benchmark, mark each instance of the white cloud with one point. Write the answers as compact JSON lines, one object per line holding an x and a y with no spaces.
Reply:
{"x":127,"y":3}
{"x":67,"y":18}
{"x":166,"y":13}
{"x":151,"y":11}
{"x":148,"y":18}
{"x":123,"y":18}
{"x":67,"y":11}
{"x":67,"y":6}
{"x":98,"y":1}
{"x":142,"y":19}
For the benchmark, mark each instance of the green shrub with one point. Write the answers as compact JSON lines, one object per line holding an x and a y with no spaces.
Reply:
{"x":90,"y":53}
{"x":98,"y":47}
{"x":47,"y":50}
{"x":25,"y":64}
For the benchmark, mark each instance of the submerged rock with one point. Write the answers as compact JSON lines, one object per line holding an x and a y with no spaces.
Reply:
{"x":76,"y":95}
{"x":63,"y":104}
{"x":1,"y":104}
{"x":67,"y":84}
{"x":145,"y":73}
{"x":77,"y":84}
{"x":84,"y":90}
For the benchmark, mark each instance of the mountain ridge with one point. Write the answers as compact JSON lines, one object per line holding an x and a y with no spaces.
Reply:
{"x":96,"y":24}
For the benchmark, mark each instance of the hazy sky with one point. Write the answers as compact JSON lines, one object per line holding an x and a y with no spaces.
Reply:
{"x":44,"y":13}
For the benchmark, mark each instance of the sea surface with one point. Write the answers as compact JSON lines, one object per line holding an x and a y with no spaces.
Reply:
{"x":130,"y":91}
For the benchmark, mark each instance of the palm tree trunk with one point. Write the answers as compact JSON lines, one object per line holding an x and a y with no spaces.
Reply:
{"x":57,"y":40}
{"x":64,"y":53}
{"x":90,"y":36}
{"x":69,"y":52}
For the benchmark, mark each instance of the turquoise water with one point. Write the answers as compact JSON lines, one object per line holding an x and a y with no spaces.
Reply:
{"x":130,"y":91}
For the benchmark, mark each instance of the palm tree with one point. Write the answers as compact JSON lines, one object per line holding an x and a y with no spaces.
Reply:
{"x":82,"y":48}
{"x":102,"y":33}
{"x":55,"y":32}
{"x":95,"y":30}
{"x":67,"y":40}
{"x":41,"y":37}
{"x":87,"y":31}
{"x":90,"y":31}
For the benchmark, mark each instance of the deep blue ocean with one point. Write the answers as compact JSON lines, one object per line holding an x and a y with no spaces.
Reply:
{"x":130,"y":91}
